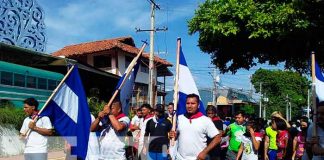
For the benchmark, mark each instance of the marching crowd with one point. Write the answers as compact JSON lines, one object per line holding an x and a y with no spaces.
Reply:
{"x":149,"y":134}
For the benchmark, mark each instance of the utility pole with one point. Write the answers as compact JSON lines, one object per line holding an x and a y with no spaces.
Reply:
{"x":260,"y":113}
{"x":287,"y":105}
{"x":289,"y":111}
{"x":308,"y":104}
{"x":152,"y":80}
{"x":266,"y":99}
{"x":215,"y":88}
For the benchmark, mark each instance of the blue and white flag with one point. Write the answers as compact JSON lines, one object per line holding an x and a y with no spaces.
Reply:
{"x":319,"y":83}
{"x":126,"y":91}
{"x":69,"y":114}
{"x":186,"y":85}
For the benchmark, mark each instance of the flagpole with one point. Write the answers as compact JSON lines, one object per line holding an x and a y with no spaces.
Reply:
{"x":314,"y":95}
{"x":128,"y":71}
{"x":50,"y":97}
{"x":176,"y":90}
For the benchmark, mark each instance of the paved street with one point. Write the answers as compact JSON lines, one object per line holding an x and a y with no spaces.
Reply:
{"x":54,"y":155}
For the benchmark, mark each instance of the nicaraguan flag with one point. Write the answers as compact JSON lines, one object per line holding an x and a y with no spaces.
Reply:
{"x":186,"y":85}
{"x":69,"y":114}
{"x":319,"y":83}
{"x":126,"y":91}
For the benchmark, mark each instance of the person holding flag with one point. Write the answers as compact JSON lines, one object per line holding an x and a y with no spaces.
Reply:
{"x":36,"y":140}
{"x":315,"y":145}
{"x":115,"y":124}
{"x":68,"y":111}
{"x":190,"y":127}
{"x":113,"y":121}
{"x":315,"y":132}
{"x":192,"y":132}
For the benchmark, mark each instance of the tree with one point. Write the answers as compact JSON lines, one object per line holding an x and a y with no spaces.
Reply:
{"x":277,"y":84}
{"x":241,"y":33}
{"x":249,"y":109}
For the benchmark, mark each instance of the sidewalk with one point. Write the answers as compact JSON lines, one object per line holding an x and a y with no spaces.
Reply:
{"x":54,"y":155}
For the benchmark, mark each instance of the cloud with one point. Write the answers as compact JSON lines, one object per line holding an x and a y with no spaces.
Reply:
{"x":86,"y":20}
{"x":76,"y":21}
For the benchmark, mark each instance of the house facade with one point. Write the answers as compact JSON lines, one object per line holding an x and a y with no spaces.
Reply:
{"x":114,"y":56}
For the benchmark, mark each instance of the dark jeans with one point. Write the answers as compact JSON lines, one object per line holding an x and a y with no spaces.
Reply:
{"x":231,"y":155}
{"x":272,"y":154}
{"x":157,"y":156}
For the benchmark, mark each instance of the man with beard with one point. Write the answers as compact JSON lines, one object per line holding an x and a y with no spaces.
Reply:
{"x":146,"y":110}
{"x":316,"y":144}
{"x":192,"y":132}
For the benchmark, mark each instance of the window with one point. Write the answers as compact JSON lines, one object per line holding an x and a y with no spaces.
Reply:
{"x":6,"y":78}
{"x":19,"y":80}
{"x":51,"y":84}
{"x":144,"y":69}
{"x":42,"y":83}
{"x":31,"y":82}
{"x":102,"y":61}
{"x":128,"y":60}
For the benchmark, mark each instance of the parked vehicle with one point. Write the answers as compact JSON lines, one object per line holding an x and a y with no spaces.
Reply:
{"x":19,"y":82}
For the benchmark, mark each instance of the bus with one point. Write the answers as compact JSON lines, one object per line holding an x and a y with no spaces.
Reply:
{"x":19,"y":82}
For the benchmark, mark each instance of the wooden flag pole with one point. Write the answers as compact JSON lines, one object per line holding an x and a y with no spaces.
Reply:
{"x":128,"y":71}
{"x":176,"y":91}
{"x":50,"y":97}
{"x":314,"y":96}
{"x":55,"y":90}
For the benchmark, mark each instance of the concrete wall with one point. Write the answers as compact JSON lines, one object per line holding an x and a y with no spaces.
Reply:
{"x":141,"y":76}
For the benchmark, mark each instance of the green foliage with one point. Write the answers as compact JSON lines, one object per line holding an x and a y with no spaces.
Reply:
{"x":249,"y":109}
{"x":236,"y":32}
{"x":95,"y":106}
{"x":277,"y":84}
{"x":11,"y":116}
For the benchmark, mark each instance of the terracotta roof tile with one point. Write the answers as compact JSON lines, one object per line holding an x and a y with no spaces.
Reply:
{"x":124,"y":43}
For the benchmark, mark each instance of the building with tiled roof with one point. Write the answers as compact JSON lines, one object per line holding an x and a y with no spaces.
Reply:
{"x":113,"y":56}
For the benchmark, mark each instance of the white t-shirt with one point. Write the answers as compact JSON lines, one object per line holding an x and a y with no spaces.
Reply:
{"x":93,"y":145}
{"x":192,"y":137}
{"x":248,"y":151}
{"x":142,"y":133}
{"x":136,"y":121}
{"x":320,"y":134}
{"x":35,"y":142}
{"x":112,"y":143}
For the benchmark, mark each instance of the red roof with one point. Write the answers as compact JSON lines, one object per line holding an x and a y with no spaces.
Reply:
{"x":124,"y":43}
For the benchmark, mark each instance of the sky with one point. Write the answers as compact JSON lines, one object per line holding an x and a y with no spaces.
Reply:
{"x":75,"y":21}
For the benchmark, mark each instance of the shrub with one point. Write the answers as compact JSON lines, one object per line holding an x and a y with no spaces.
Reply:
{"x":11,"y":116}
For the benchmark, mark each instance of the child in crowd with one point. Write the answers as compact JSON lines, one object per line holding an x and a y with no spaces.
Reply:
{"x":250,"y":142}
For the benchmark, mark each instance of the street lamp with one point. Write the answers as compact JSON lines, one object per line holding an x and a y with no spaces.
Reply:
{"x":265,"y":99}
{"x":216,"y":79}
